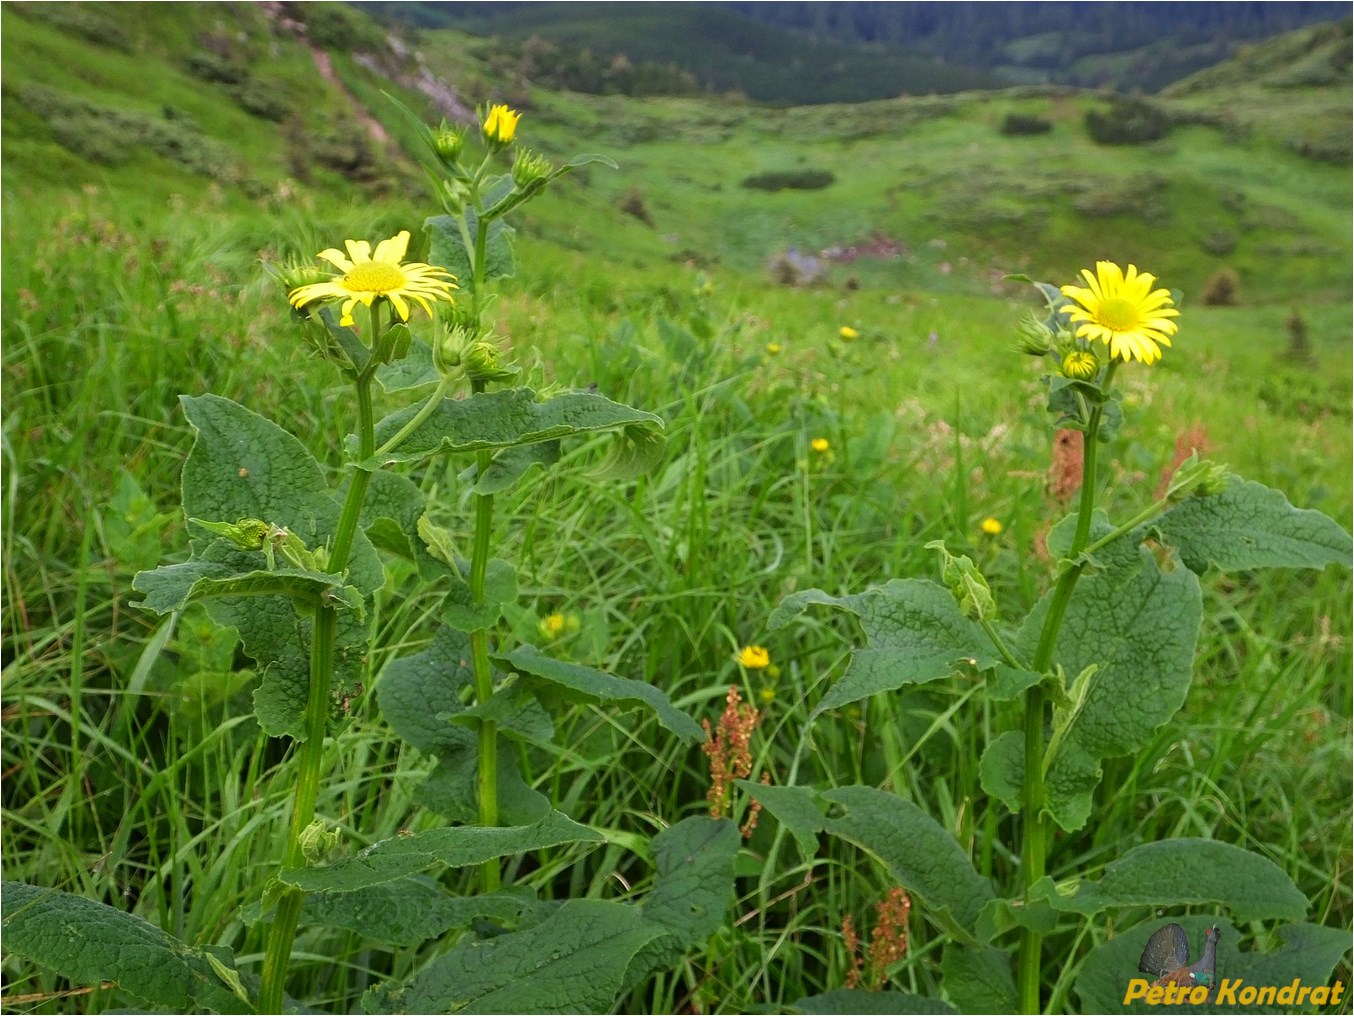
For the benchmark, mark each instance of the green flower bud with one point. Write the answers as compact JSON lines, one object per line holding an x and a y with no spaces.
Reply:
{"x":317,"y":842}
{"x":247,"y":534}
{"x":1080,"y":365}
{"x":447,"y":143}
{"x":450,"y":346}
{"x":1034,"y":338}
{"x":480,"y":362}
{"x":454,"y":195}
{"x":966,"y":583}
{"x":530,"y":169}
{"x":1198,"y":478}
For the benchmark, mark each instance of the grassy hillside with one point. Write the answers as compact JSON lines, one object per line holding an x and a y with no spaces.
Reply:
{"x":155,"y":154}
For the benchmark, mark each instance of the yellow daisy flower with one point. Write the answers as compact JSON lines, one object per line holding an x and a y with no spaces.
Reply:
{"x":848,"y":334}
{"x":773,"y":348}
{"x":368,"y":277}
{"x":753,"y":657}
{"x":820,"y":444}
{"x":1123,"y":311}
{"x":991,"y":526}
{"x":500,"y":124}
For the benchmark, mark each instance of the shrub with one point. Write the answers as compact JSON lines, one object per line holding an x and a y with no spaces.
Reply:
{"x":267,"y":100}
{"x":1219,"y":242}
{"x":1019,"y":123}
{"x":1221,"y":288}
{"x":1127,"y":122}
{"x":217,"y":69}
{"x":793,"y":179}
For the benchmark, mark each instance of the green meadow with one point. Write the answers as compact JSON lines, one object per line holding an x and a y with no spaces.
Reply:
{"x":145,"y":185}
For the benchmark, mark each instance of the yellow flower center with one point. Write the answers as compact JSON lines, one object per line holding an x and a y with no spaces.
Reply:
{"x":1118,"y":314}
{"x":374,"y":277}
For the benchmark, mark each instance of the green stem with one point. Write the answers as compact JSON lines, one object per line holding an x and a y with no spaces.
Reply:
{"x":1036,"y":828}
{"x":423,"y":413}
{"x":310,"y":754}
{"x":479,"y":658}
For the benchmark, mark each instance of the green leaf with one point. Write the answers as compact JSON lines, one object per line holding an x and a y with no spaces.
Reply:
{"x":448,"y":248}
{"x":459,"y":609}
{"x":454,"y":846}
{"x":418,"y":695}
{"x":914,"y":632}
{"x":415,"y":908}
{"x":636,"y":450}
{"x":1250,"y":525}
{"x":516,"y":712}
{"x":501,"y":419}
{"x":799,"y":809}
{"x":511,"y":464}
{"x":574,"y":961}
{"x":392,"y":515}
{"x":692,"y":890}
{"x":1307,"y":953}
{"x":1140,"y":626}
{"x":978,"y":979}
{"x":920,"y":853}
{"x":243,"y":466}
{"x":588,"y":158}
{"x":175,"y":586}
{"x":585,"y":684}
{"x":1006,"y":682}
{"x":1002,"y":769}
{"x":1190,"y":871}
{"x":88,"y":942}
{"x":414,"y":370}
{"x":844,"y":1001}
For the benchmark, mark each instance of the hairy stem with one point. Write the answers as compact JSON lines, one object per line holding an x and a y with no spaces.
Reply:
{"x":310,"y":754}
{"x":1036,"y":829}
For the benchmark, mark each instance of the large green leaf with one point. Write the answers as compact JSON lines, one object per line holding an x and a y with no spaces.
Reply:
{"x":420,"y":695}
{"x":914,"y":632}
{"x":175,"y":586}
{"x":1138,"y":626}
{"x":448,"y":248}
{"x":501,"y":419}
{"x":1307,"y":953}
{"x":978,"y":978}
{"x":1249,"y":525}
{"x":799,"y":809}
{"x":416,"y":908}
{"x":574,"y":961}
{"x":88,"y":942}
{"x":1002,"y":768}
{"x":920,"y":853}
{"x":454,"y":846}
{"x":692,"y":890}
{"x":586,"y":684}
{"x":845,"y":1001}
{"x":414,"y":370}
{"x":1189,"y":871}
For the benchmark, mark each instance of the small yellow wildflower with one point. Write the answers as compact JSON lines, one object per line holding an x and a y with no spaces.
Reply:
{"x":991,"y":526}
{"x":848,"y":333}
{"x":1123,"y":311}
{"x":753,"y":657}
{"x":368,"y":277}
{"x":820,"y":445}
{"x":499,"y":125}
{"x":552,"y":625}
{"x":773,"y":348}
{"x":767,"y":695}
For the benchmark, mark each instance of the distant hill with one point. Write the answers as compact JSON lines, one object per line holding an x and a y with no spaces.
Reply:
{"x":784,"y":53}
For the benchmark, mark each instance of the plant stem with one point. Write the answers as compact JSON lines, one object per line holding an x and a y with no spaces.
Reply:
{"x":1036,"y":829}
{"x":310,"y":754}
{"x":479,"y":657}
{"x":424,"y":411}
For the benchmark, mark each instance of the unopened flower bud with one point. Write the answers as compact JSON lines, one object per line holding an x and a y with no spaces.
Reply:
{"x":317,"y":842}
{"x":1198,"y":478}
{"x":1080,"y":365}
{"x":449,"y":348}
{"x":966,"y":583}
{"x":1034,"y":338}
{"x":529,"y":168}
{"x":447,"y":142}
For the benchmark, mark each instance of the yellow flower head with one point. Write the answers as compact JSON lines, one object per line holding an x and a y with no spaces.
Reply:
{"x":1123,"y":311}
{"x":500,"y":124}
{"x":753,"y":657}
{"x":991,"y":526}
{"x":368,"y":277}
{"x":767,"y":695}
{"x":773,"y":348}
{"x":1080,"y":365}
{"x":552,"y":625}
{"x":820,"y":445}
{"x":848,"y":334}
